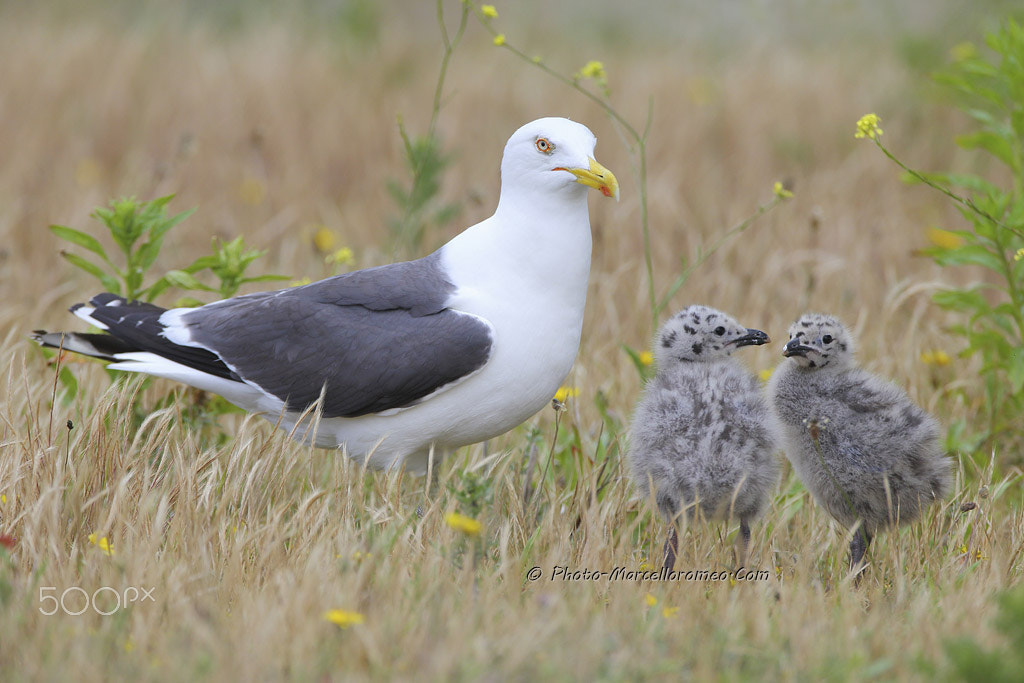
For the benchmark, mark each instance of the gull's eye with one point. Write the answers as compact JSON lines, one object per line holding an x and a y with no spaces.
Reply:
{"x":719,"y":330}
{"x":827,"y":339}
{"x":544,"y":146}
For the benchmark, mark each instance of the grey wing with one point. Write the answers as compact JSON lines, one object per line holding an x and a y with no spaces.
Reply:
{"x":865,"y":394}
{"x":398,"y":348}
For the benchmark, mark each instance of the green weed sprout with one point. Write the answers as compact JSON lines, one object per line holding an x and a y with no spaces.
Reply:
{"x":128,"y":221}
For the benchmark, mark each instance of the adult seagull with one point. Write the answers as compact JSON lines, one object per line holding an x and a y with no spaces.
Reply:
{"x":410,"y":358}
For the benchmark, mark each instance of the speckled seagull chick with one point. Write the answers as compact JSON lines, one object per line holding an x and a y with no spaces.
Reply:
{"x":880,"y":460}
{"x":702,"y":433}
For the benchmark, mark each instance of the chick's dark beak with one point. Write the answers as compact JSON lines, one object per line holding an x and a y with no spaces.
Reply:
{"x":752,"y":338}
{"x":794,"y":348}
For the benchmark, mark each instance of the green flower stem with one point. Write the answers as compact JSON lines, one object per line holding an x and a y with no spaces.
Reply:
{"x":963,"y":201}
{"x":449,"y":47}
{"x":703,"y":255}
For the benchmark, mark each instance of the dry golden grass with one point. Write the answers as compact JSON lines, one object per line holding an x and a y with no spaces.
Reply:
{"x":248,"y":543}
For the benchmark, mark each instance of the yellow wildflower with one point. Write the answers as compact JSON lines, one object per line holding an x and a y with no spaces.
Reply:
{"x":944,"y":239}
{"x":299,"y":283}
{"x":1019,"y":256}
{"x":489,"y":11}
{"x":780,"y":191}
{"x":499,"y":39}
{"x":466,"y":525}
{"x":650,"y":600}
{"x":129,"y":645}
{"x":867,"y":127}
{"x":102,"y":543}
{"x":646,"y":357}
{"x":766,"y":374}
{"x":343,"y":256}
{"x":594,"y":70}
{"x":936,"y":357}
{"x":359,"y":556}
{"x":565,"y":393}
{"x":343,"y":618}
{"x":537,"y":59}
{"x":645,"y":565}
{"x":251,"y":191}
{"x":324,"y":239}
{"x":962,"y":51}
{"x":669,"y":612}
{"x":3,"y":498}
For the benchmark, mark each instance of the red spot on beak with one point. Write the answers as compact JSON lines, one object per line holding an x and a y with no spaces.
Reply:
{"x":606,"y":192}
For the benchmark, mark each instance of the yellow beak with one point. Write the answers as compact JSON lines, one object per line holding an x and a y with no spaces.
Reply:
{"x":597,"y":177}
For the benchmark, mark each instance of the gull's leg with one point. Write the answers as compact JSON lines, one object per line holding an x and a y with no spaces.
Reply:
{"x":671,"y":548}
{"x":858,"y":546}
{"x":744,"y":541}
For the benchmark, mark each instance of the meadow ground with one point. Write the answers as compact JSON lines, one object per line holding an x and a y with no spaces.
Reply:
{"x":276,"y":131}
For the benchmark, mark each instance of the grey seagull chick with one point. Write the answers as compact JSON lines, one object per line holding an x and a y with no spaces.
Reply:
{"x":412,"y":358}
{"x":702,"y":433}
{"x":864,"y":450}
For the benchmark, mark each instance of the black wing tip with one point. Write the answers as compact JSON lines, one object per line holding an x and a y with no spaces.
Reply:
{"x":107,"y":299}
{"x":100,"y":300}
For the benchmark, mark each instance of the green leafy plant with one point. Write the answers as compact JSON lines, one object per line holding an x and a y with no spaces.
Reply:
{"x":128,"y":221}
{"x":991,"y":93}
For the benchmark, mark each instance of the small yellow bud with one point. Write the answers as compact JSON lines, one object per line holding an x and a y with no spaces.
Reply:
{"x":466,"y":525}
{"x":867,"y":127}
{"x":564,"y":393}
{"x":780,"y":191}
{"x":343,"y":618}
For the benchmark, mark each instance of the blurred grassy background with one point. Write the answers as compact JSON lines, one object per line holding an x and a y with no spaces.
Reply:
{"x":278,"y":121}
